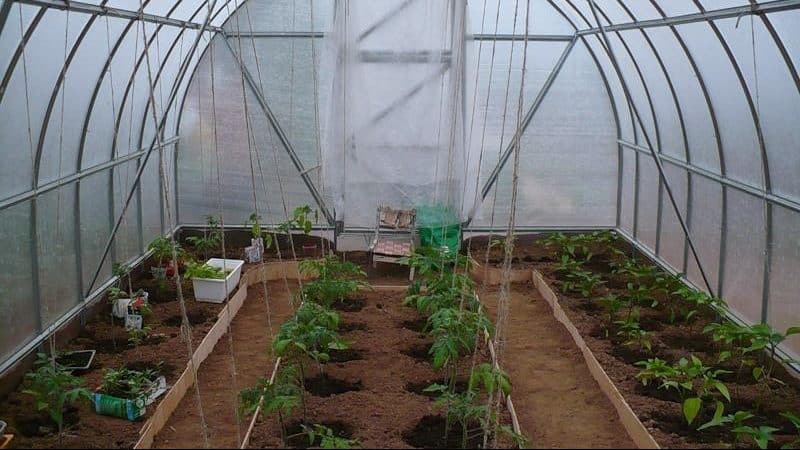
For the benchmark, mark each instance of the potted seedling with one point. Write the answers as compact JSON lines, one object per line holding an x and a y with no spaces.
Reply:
{"x":215,"y":279}
{"x":54,"y":389}
{"x":164,"y":248}
{"x":259,"y":240}
{"x":125,"y":393}
{"x":137,"y":310}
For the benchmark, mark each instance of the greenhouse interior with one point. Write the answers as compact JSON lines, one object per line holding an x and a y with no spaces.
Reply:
{"x":589,"y":236}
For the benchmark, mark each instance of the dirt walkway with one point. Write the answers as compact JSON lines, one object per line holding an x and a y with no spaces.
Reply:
{"x":558,"y":403}
{"x":250,"y":343}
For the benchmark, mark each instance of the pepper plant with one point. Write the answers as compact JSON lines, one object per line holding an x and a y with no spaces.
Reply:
{"x":327,"y":438}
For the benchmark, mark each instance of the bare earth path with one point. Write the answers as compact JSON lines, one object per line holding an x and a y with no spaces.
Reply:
{"x":250,"y":343}
{"x":558,"y":403}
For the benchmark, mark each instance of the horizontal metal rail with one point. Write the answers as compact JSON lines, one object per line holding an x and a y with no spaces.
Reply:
{"x":476,"y":37}
{"x":725,"y":13}
{"x":738,"y":185}
{"x":55,"y":184}
{"x":88,"y":8}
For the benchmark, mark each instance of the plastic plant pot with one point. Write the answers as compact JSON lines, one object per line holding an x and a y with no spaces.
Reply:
{"x":212,"y":290}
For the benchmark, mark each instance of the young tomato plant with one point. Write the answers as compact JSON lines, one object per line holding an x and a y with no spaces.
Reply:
{"x":327,"y":438}
{"x":279,"y":398}
{"x":53,"y":389}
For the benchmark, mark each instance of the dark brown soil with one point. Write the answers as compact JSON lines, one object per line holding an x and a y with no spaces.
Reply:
{"x":430,"y":433}
{"x":109,"y":337}
{"x":658,"y":410}
{"x":382,"y":411}
{"x":417,"y":325}
{"x":325,"y":385}
{"x":347,"y":327}
{"x":350,"y":305}
{"x":350,"y":354}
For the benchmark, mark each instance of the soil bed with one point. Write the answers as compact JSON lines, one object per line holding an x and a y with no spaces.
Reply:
{"x":383,"y":412}
{"x":661,"y":411}
{"x":163,"y":348}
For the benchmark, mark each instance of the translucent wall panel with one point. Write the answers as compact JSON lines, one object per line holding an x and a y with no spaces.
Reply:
{"x":647,"y":206}
{"x":126,"y":240}
{"x":95,"y":225}
{"x":627,"y":195}
{"x":276,"y":179}
{"x":568,"y":163}
{"x":282,"y":16}
{"x":699,"y":127}
{"x":58,"y":270}
{"x":671,"y":241}
{"x":287,"y":82}
{"x":543,"y":18}
{"x":20,"y":323}
{"x":705,"y":220}
{"x":738,"y":134}
{"x":744,"y":236}
{"x":624,"y":112}
{"x":783,"y":310}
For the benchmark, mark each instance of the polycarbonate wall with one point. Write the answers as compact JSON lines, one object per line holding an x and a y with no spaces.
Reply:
{"x":716,"y":90}
{"x":76,"y":120}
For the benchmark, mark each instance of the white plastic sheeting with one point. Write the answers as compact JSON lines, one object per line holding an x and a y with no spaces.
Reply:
{"x":394,"y":127}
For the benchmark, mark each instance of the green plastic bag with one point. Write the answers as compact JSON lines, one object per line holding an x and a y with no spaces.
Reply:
{"x":108,"y":405}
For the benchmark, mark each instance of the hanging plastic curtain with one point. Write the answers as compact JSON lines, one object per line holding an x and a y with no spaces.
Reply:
{"x":393,"y":131}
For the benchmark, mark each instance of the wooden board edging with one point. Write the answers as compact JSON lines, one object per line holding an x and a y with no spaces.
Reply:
{"x":636,"y":430}
{"x":265,"y":272}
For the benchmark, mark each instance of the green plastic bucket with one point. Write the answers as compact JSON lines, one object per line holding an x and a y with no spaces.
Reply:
{"x":438,"y":227}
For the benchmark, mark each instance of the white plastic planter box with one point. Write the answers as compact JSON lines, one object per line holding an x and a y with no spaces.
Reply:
{"x":215,"y":291}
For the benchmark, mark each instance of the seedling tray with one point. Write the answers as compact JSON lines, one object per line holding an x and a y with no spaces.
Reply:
{"x":78,"y":360}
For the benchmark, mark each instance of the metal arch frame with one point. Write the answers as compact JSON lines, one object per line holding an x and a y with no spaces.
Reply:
{"x":173,"y":95}
{"x":793,"y":72}
{"x":764,"y":162}
{"x":639,"y":120}
{"x":12,"y":64}
{"x":684,"y":136}
{"x":647,"y":138}
{"x":720,"y":152}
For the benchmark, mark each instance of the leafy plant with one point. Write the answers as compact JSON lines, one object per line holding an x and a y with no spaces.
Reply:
{"x":128,"y":383}
{"x":613,"y":304}
{"x":336,"y":281}
{"x":763,"y":337}
{"x":581,"y":281}
{"x":257,"y":231}
{"x":300,"y":220}
{"x":327,"y":437}
{"x":163,"y":248}
{"x":53,"y":388}
{"x":137,"y":337}
{"x":203,"y":270}
{"x":311,"y":332}
{"x":454,"y":333}
{"x":632,"y":332}
{"x":280,"y":397}
{"x":761,"y":435}
{"x":795,"y":420}
{"x":737,"y":419}
{"x":658,"y":370}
